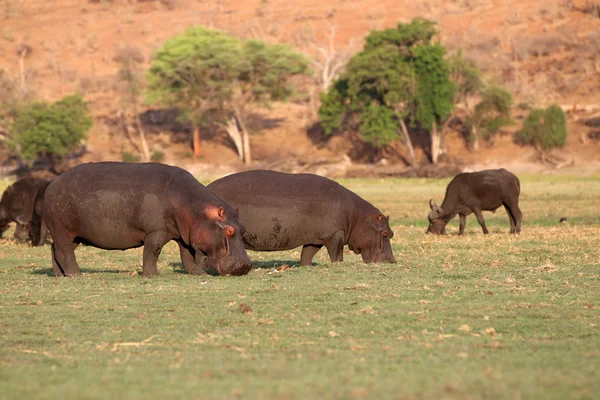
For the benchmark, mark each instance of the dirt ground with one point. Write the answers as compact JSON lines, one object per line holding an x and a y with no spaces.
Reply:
{"x":543,"y":52}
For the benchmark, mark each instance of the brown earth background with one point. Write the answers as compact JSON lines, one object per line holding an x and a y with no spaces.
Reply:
{"x":543,"y":52}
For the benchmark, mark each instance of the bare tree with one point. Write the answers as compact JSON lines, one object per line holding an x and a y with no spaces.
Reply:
{"x":130,"y":60}
{"x":331,"y":61}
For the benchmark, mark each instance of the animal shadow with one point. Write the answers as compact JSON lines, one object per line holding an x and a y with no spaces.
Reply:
{"x":274,"y":264}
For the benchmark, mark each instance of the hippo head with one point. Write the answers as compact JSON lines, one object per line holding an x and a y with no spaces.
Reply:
{"x":371,"y":239}
{"x":219,"y":239}
{"x":437,"y":224}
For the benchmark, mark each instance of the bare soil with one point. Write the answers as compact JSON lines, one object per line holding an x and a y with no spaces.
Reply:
{"x":543,"y":52}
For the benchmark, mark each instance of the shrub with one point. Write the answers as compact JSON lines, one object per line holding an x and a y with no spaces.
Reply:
{"x":52,"y":129}
{"x":158,"y":156}
{"x":545,"y":128}
{"x":129,"y":157}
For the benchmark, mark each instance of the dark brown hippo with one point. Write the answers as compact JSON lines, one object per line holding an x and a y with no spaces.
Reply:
{"x":118,"y":206}
{"x":22,"y":202}
{"x":284,"y":211}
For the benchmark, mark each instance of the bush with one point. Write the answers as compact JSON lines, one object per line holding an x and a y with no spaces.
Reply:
{"x":157,"y":156}
{"x":52,"y":129}
{"x":545,"y":128}
{"x":130,"y":157}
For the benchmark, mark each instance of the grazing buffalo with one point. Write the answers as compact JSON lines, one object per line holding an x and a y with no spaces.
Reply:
{"x":475,"y":192}
{"x":284,"y":211}
{"x":22,"y":202}
{"x":118,"y":206}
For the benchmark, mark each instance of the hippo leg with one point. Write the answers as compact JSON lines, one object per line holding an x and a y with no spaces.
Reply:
{"x":481,"y":221}
{"x":308,"y":252}
{"x":463,"y":221}
{"x":153,"y":244}
{"x":335,"y":246}
{"x":63,"y":259}
{"x":188,"y":260}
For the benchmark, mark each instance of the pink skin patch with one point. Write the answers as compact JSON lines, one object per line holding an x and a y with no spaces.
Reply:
{"x":215,"y":213}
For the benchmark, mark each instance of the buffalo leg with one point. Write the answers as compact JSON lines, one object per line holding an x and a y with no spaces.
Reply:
{"x":153,"y":244}
{"x":481,"y":220}
{"x":20,"y":231}
{"x":516,"y":216}
{"x":308,"y":252}
{"x":335,"y":246}
{"x":188,"y":260}
{"x":63,"y":259}
{"x":463,"y":221}
{"x":43,"y":232}
{"x":513,"y":225}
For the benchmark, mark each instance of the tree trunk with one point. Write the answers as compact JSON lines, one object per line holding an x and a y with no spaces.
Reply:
{"x":409,"y":145}
{"x":245,"y":136}
{"x":234,"y":133}
{"x":435,"y":143}
{"x":196,"y":141}
{"x":142,"y":134}
{"x":126,"y":128}
{"x":474,"y":138}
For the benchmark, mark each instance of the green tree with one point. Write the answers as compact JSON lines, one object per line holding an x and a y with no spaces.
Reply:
{"x":491,"y":113}
{"x":210,"y":75}
{"x":545,"y":128}
{"x":400,"y":75}
{"x":494,"y":108}
{"x":52,"y":129}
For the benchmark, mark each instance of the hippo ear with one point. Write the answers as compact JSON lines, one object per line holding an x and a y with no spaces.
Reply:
{"x":221,"y":212}
{"x":379,"y":217}
{"x":431,"y":204}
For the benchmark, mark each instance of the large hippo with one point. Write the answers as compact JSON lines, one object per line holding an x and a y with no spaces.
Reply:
{"x":118,"y":206}
{"x":22,"y":202}
{"x":284,"y":211}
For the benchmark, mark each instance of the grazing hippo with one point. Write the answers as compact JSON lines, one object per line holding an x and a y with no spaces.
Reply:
{"x":476,"y":191}
{"x":118,"y":206}
{"x":22,"y":202}
{"x":284,"y":211}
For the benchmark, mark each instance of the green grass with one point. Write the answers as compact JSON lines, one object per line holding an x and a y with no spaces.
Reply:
{"x":494,"y":316}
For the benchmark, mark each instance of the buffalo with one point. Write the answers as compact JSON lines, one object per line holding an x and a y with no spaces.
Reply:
{"x":476,"y":192}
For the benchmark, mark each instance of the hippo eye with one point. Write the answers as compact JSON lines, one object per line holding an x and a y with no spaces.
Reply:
{"x":384,"y":233}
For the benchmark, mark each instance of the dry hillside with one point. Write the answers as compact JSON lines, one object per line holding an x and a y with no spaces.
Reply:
{"x":542,"y":51}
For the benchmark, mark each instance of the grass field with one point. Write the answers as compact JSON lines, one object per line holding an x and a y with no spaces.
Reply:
{"x":497,"y":316}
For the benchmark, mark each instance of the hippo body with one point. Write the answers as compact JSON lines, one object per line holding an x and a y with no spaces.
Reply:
{"x":22,"y":202}
{"x":284,"y":211}
{"x":118,"y":206}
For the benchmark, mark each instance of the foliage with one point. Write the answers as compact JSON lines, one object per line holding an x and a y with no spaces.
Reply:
{"x":201,"y":70}
{"x":472,"y":317}
{"x":157,"y":156}
{"x":400,"y":74}
{"x":129,"y":157}
{"x":545,"y":128}
{"x":52,"y":129}
{"x":466,"y":77}
{"x":492,"y":112}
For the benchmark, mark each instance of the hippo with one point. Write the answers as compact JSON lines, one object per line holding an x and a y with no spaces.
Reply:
{"x":119,"y":206}
{"x":283,"y":211}
{"x":22,"y":202}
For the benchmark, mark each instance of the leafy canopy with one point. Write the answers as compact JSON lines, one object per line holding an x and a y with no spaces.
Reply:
{"x":545,"y":128}
{"x":51,"y":128}
{"x":401,"y":73}
{"x":205,"y":69}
